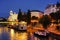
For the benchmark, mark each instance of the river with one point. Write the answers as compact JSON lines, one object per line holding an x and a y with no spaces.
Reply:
{"x":11,"y":34}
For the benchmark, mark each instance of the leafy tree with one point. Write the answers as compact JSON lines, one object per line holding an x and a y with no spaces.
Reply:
{"x":58,"y":12}
{"x":19,"y":15}
{"x":28,"y":17}
{"x":24,"y":17}
{"x":45,"y":21}
{"x":55,"y":16}
{"x":58,"y":4}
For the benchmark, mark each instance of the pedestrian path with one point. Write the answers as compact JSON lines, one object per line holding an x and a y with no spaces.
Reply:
{"x":49,"y":29}
{"x":52,"y":30}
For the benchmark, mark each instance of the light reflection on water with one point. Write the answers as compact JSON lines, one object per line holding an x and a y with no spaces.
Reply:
{"x":10,"y":34}
{"x":18,"y":36}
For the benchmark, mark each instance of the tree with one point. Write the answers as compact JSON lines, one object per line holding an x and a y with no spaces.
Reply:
{"x":58,"y":7}
{"x":24,"y":17}
{"x":55,"y":16}
{"x":19,"y":15}
{"x":58,"y":4}
{"x":28,"y":17}
{"x":45,"y":21}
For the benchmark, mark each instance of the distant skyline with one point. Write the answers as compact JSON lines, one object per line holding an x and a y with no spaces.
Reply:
{"x":24,"y":5}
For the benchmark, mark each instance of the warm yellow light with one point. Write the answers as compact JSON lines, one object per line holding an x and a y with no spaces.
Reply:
{"x":0,"y":30}
{"x":12,"y":18}
{"x":23,"y":22}
{"x":23,"y":36}
{"x":12,"y":23}
{"x":12,"y":31}
{"x":12,"y":34}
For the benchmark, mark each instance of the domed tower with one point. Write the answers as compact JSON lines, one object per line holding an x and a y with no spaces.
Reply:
{"x":11,"y":12}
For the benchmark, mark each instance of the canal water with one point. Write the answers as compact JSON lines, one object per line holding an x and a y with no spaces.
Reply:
{"x":11,"y":34}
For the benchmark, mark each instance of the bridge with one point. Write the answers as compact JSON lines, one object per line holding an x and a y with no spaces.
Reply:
{"x":9,"y":22}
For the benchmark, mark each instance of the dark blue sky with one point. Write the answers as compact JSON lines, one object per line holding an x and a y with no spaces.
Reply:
{"x":24,"y":5}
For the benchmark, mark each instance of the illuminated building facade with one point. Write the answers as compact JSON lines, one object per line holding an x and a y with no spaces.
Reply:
{"x":37,"y":14}
{"x":13,"y":16}
{"x":51,"y":8}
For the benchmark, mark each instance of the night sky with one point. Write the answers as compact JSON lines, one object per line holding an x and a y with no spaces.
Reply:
{"x":24,"y":5}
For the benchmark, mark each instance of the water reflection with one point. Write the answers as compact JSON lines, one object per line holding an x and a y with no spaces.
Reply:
{"x":0,"y":31}
{"x":21,"y":36}
{"x":4,"y":34}
{"x":10,"y":34}
{"x":36,"y":38}
{"x":18,"y":35}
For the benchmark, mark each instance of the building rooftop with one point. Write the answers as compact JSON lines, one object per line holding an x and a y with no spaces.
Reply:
{"x":49,"y":5}
{"x":36,"y":11}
